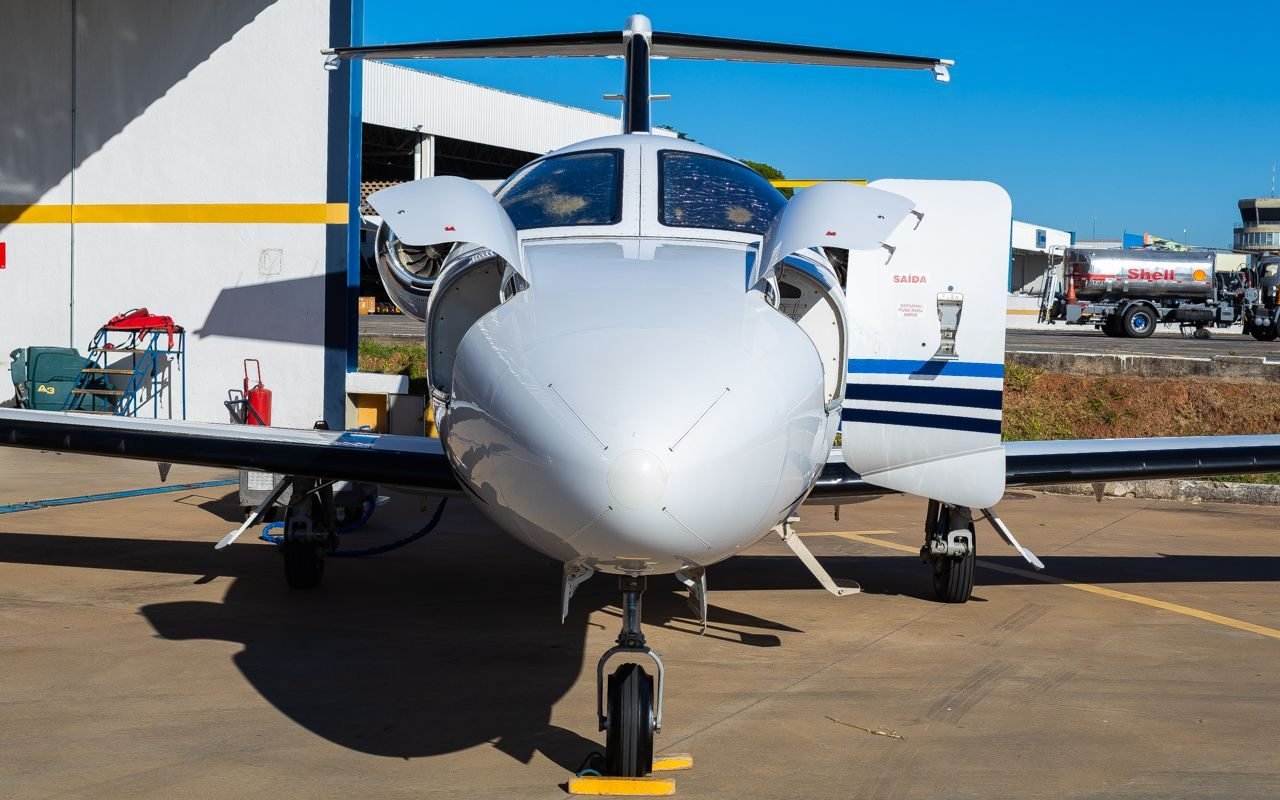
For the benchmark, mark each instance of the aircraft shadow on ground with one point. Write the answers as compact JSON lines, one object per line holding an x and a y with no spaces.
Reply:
{"x":437,"y":649}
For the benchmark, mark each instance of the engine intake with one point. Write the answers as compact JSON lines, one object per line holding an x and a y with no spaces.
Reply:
{"x":409,"y":272}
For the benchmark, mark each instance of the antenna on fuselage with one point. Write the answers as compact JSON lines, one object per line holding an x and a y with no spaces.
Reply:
{"x":638,"y":43}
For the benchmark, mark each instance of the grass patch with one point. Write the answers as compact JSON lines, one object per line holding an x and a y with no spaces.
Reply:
{"x":1040,"y":405}
{"x":397,"y":359}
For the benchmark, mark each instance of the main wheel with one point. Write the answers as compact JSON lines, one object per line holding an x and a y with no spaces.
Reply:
{"x":1139,"y":322}
{"x":303,"y":564}
{"x":953,"y":576}
{"x":304,"y":560}
{"x":629,"y":735}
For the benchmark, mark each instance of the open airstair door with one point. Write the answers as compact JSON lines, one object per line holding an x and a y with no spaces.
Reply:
{"x":926,"y":317}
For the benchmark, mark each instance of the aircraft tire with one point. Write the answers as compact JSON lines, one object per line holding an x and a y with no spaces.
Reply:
{"x":953,"y":577}
{"x":303,"y":564}
{"x":629,"y":735}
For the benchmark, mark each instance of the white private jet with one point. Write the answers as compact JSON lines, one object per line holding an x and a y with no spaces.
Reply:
{"x":640,"y":354}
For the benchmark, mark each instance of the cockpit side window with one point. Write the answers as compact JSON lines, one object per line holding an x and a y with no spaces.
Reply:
{"x":573,"y":189}
{"x":700,"y":191}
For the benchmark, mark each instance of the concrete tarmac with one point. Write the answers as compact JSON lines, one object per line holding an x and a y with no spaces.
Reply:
{"x":140,"y":663}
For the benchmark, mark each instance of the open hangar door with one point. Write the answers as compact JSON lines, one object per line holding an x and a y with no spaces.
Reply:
{"x":195,"y":159}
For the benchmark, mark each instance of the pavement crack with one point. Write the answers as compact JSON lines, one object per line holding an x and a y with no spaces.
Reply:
{"x":801,"y":680}
{"x":1099,"y":530}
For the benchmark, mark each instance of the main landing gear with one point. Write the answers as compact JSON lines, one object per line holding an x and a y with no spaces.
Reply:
{"x":949,"y":546}
{"x":309,"y":532}
{"x":630,"y":706}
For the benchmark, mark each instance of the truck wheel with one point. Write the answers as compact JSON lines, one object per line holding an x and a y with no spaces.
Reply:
{"x":1265,"y":334}
{"x":1112,"y":326}
{"x":1139,"y":322}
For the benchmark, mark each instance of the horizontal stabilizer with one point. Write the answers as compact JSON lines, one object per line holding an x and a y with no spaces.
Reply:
{"x":664,"y":45}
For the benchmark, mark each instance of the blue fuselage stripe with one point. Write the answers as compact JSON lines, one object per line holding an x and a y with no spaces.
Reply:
{"x":911,"y":420}
{"x":929,"y":395}
{"x":895,"y":366}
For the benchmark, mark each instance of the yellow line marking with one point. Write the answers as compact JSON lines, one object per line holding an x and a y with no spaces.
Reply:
{"x":235,"y":213}
{"x":1187,"y":611}
{"x":856,"y":536}
{"x":1023,"y":311}
{"x":625,"y":787}
{"x":849,"y":534}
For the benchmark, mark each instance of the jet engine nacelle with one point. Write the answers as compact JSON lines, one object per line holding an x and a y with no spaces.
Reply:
{"x":408,"y":272}
{"x":422,"y":222}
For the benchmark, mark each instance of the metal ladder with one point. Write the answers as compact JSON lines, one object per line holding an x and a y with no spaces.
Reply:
{"x":144,"y":350}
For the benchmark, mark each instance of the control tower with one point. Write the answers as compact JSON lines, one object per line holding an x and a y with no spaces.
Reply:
{"x":1260,"y":225}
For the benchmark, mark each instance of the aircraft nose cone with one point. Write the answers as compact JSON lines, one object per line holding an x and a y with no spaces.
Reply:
{"x":637,"y":479}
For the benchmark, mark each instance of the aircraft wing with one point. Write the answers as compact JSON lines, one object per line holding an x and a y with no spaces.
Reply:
{"x":1030,"y":464}
{"x":410,"y":461}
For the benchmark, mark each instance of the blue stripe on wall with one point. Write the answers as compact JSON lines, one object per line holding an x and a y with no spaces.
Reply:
{"x":32,"y":505}
{"x":906,"y":419}
{"x":894,"y":366}
{"x":935,"y":395}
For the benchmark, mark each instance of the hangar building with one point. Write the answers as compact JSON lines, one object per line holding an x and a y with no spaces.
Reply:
{"x":197,"y":159}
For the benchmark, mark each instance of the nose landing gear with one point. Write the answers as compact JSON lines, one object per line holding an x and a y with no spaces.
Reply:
{"x":630,"y":711}
{"x":629,"y":707}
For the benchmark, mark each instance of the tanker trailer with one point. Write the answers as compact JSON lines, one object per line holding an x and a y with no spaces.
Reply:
{"x":1129,"y":292}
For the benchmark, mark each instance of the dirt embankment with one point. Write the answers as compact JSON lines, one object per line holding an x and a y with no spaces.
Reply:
{"x":1048,"y":405}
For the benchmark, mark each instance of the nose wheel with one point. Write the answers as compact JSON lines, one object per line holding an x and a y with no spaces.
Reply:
{"x":629,"y":722}
{"x":630,"y":704}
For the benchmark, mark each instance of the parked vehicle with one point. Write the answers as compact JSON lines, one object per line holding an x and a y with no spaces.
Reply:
{"x":1130,"y":292}
{"x":1261,"y":304}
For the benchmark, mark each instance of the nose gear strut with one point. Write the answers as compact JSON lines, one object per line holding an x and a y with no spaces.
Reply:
{"x":629,"y":706}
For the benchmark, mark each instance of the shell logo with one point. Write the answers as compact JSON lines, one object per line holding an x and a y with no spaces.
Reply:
{"x":1199,"y":275}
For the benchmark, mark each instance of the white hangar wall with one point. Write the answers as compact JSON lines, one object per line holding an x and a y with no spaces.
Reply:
{"x":194,"y":177}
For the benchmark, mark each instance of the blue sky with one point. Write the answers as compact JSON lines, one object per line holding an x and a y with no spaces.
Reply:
{"x":1106,"y":116}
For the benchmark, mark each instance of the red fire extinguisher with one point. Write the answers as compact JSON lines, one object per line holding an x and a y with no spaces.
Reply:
{"x":259,"y":398}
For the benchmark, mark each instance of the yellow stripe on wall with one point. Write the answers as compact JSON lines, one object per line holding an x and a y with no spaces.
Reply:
{"x":234,"y":213}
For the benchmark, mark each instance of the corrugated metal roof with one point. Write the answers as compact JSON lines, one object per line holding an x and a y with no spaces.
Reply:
{"x":399,"y":97}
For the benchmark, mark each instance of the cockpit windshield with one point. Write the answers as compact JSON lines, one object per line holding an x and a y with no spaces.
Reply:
{"x":700,"y":191}
{"x":573,"y":189}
